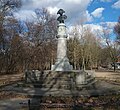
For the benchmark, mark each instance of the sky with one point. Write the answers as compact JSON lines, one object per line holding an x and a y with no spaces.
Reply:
{"x":95,"y":13}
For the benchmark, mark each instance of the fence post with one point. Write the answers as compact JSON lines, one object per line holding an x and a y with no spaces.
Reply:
{"x":29,"y":104}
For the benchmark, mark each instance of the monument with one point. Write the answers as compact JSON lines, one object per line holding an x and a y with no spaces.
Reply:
{"x":61,"y":76}
{"x":62,"y":62}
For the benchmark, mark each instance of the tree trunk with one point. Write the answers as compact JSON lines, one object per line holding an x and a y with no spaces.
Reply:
{"x":114,"y":66}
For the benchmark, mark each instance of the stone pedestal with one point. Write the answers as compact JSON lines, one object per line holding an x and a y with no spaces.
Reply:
{"x":51,"y":80}
{"x":62,"y":62}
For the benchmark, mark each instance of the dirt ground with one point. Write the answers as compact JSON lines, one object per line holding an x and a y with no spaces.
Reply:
{"x":103,"y":74}
{"x":102,"y":86}
{"x":107,"y":74}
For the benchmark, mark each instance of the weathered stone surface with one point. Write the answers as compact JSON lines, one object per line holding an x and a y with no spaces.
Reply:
{"x":58,"y":80}
{"x":62,"y":62}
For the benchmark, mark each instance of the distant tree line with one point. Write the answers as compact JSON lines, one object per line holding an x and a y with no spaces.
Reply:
{"x":32,"y":45}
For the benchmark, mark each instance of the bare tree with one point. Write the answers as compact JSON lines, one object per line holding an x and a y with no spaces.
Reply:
{"x":111,"y":47}
{"x":117,"y":30}
{"x":41,"y":35}
{"x":84,"y":48}
{"x":6,"y":7}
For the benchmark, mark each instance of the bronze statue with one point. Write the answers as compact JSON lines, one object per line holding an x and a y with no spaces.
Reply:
{"x":62,"y":17}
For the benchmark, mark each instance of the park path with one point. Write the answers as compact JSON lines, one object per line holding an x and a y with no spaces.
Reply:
{"x":108,"y":75}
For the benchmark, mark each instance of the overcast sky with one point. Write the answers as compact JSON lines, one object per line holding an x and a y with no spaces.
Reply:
{"x":94,"y":12}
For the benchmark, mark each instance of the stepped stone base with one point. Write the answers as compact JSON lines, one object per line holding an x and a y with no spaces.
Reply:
{"x":59,"y":80}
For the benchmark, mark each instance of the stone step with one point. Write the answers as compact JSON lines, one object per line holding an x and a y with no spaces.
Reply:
{"x":58,"y":81}
{"x":48,"y":79}
{"x":55,"y":78}
{"x":61,"y":79}
{"x":59,"y":74}
{"x":47,"y":74}
{"x":87,"y":85}
{"x":88,"y":76}
{"x":92,"y":82}
{"x":48,"y":86}
{"x":89,"y":80}
{"x":59,"y":86}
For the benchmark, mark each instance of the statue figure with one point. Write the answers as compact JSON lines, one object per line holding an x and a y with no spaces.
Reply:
{"x":62,"y":17}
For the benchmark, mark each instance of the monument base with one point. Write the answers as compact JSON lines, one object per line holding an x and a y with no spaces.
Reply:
{"x":74,"y":80}
{"x":62,"y":65}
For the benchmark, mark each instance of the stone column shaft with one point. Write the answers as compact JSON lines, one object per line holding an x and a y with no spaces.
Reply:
{"x":62,"y":62}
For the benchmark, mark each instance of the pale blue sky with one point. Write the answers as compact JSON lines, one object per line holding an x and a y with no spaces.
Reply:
{"x":111,"y":10}
{"x":96,"y":13}
{"x":91,"y":10}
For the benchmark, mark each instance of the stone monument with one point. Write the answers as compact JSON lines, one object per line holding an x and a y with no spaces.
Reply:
{"x":62,"y":62}
{"x":62,"y":76}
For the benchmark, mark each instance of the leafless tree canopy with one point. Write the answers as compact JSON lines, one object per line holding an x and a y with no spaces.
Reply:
{"x":32,"y":45}
{"x":117,"y":29}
